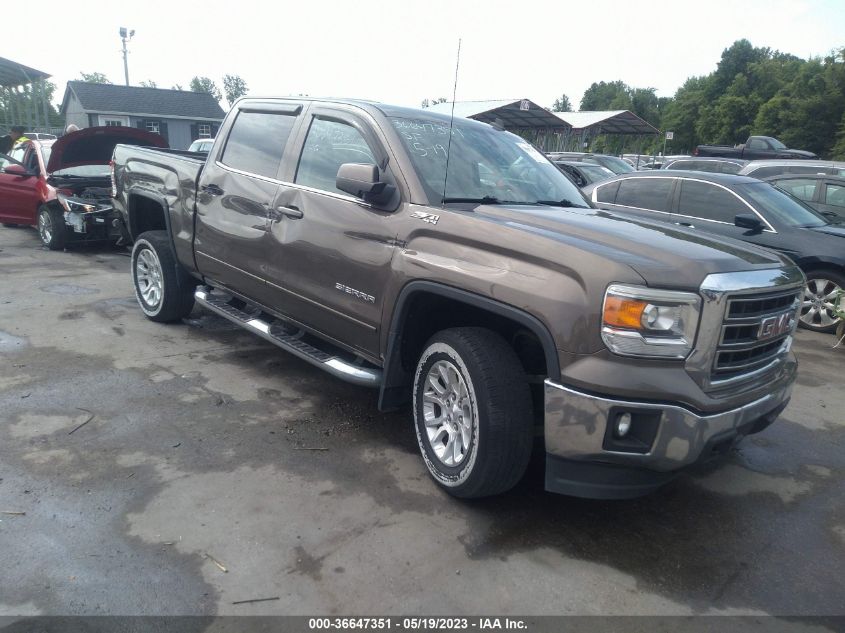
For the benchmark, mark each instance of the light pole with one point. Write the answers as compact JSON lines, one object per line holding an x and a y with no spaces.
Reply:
{"x":124,"y":37}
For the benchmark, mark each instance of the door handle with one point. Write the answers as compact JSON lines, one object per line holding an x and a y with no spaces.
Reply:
{"x":686,"y":224}
{"x":291,"y":212}
{"x":212,"y":189}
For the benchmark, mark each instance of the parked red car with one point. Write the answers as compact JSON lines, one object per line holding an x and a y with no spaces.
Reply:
{"x":63,"y":187}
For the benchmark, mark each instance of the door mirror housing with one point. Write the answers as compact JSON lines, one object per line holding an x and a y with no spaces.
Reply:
{"x":18,"y":170}
{"x":748,"y":221}
{"x":362,"y":181}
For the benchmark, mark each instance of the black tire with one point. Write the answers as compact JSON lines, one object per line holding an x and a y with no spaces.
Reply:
{"x":172,"y":297}
{"x":501,"y":437}
{"x":815,"y":323}
{"x":52,"y":228}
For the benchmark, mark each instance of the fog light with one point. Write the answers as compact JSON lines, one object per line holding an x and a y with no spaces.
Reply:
{"x":623,"y":424}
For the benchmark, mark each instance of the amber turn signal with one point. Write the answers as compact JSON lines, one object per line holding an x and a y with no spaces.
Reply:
{"x":624,"y":312}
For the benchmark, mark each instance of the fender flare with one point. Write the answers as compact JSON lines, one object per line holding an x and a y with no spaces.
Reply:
{"x":393,"y":390}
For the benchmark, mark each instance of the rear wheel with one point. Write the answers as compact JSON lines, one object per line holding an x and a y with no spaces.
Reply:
{"x":818,"y":307}
{"x":163,"y":289}
{"x":52,"y":228}
{"x":472,"y":412}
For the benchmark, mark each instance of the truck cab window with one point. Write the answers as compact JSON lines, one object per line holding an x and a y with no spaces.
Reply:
{"x":257,"y":141}
{"x":329,"y":145}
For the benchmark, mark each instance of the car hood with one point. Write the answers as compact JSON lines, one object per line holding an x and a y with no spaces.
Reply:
{"x":663,"y":254}
{"x":95,"y":145}
{"x":830,"y":229}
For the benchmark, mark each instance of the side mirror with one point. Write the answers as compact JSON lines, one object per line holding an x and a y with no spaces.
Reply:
{"x":18,"y":170}
{"x":361,"y":181}
{"x":748,"y":221}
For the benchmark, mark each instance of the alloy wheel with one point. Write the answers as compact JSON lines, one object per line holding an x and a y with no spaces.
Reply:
{"x":148,"y":275}
{"x":448,"y":412}
{"x":819,"y":303}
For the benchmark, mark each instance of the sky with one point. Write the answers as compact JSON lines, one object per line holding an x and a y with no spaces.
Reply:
{"x":404,"y":51}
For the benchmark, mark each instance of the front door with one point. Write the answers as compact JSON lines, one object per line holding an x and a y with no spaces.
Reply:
{"x":19,"y":195}
{"x":234,"y":195}
{"x":333,"y":250}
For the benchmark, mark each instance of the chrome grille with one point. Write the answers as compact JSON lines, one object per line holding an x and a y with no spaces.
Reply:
{"x":756,"y":332}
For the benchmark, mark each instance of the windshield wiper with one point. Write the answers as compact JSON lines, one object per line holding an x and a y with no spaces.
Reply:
{"x":562,"y":203}
{"x":481,"y":200}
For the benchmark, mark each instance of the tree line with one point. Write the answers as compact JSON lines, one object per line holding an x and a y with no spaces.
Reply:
{"x":754,"y":90}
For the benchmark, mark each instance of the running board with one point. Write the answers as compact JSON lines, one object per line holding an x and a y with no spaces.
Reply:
{"x":279,"y":335}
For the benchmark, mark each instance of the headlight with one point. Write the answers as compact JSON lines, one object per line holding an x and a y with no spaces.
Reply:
{"x":640,"y":321}
{"x":76,"y":205}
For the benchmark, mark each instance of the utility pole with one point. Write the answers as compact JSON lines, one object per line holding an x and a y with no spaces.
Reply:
{"x":124,"y":37}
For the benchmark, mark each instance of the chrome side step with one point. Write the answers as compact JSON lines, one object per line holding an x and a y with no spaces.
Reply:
{"x":290,"y":341}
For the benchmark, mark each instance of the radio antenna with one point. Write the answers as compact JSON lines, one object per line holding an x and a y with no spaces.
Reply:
{"x":451,"y":122}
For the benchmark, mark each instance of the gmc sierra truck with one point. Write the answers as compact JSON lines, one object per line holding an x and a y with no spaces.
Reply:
{"x":452,"y":266}
{"x":755,"y":148}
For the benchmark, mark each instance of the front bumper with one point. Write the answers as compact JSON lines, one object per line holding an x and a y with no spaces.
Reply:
{"x":91,"y":222}
{"x":586,"y":459}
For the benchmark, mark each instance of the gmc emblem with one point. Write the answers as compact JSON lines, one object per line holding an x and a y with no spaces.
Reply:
{"x":774,"y":326}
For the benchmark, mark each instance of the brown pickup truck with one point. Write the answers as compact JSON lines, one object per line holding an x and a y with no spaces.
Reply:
{"x":454,"y":268}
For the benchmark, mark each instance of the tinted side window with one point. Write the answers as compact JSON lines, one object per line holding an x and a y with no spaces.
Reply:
{"x":835,"y":195}
{"x":607,"y":193}
{"x":802,"y":188}
{"x":257,"y":141}
{"x":328,"y":145}
{"x":645,"y":193}
{"x":709,"y":202}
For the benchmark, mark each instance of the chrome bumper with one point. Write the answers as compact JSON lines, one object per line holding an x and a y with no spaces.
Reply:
{"x":576,"y":426}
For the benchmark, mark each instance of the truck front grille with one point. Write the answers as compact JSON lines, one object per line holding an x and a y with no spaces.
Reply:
{"x":755,"y":336}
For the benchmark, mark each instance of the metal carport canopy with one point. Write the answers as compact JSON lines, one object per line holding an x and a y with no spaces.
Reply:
{"x":15,"y":74}
{"x":608,"y":122}
{"x":508,"y":111}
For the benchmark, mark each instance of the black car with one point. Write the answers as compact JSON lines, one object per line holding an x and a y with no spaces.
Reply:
{"x":713,"y":165}
{"x":583,"y":174}
{"x":746,"y":209}
{"x":825,"y":193}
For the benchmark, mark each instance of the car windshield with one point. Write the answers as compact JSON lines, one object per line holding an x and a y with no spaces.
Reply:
{"x":595,"y":173}
{"x":778,"y":204}
{"x":486,"y":165}
{"x":616,"y":165}
{"x":83,"y":171}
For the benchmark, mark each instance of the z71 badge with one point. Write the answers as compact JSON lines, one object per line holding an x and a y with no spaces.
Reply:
{"x":431,"y":218}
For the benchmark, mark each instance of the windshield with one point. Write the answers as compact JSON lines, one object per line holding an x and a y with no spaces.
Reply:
{"x":594,"y":173}
{"x":780,"y":205}
{"x":616,"y":165}
{"x":85,"y":171}
{"x":486,"y":165}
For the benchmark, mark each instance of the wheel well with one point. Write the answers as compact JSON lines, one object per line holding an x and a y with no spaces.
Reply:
{"x":426,"y":313}
{"x":822,"y":266}
{"x":145,"y":214}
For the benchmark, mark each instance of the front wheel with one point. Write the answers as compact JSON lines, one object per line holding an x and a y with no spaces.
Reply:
{"x":163,"y":289}
{"x":472,"y":412}
{"x":818,"y":307}
{"x":52,"y":228}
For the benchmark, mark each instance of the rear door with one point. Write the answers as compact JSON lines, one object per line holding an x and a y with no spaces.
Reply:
{"x":332,"y":250}
{"x":648,"y":197}
{"x":236,"y":189}
{"x":20,"y":195}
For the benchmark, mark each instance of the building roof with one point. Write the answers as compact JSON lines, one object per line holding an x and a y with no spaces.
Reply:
{"x":135,"y":100}
{"x":15,"y":74}
{"x":513,"y":113}
{"x":610,"y":121}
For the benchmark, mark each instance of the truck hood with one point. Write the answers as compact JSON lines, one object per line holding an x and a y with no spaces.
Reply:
{"x":799,"y":153}
{"x":95,"y":145}
{"x":664,"y":255}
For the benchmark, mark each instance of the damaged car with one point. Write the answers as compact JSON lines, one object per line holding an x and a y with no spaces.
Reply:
{"x":63,"y":187}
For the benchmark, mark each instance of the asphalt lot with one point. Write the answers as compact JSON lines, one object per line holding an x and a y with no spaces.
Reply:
{"x":198,"y":459}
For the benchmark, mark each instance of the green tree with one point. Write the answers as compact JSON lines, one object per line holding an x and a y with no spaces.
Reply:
{"x":606,"y":96}
{"x":94,"y":78}
{"x":234,"y":87}
{"x":204,"y":84}
{"x":562,"y":104}
{"x":426,"y":103}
